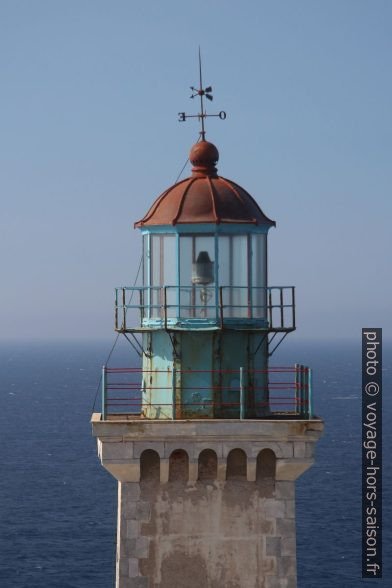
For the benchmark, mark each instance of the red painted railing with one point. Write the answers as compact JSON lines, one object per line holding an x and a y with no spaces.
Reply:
{"x":286,"y":394}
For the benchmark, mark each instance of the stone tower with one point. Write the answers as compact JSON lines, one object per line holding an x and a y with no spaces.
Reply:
{"x":206,"y":439}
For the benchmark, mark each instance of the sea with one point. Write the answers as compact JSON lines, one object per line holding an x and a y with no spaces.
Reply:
{"x":58,"y":505}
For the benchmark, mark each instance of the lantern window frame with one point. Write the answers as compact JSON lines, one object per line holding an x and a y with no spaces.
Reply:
{"x":197,"y":230}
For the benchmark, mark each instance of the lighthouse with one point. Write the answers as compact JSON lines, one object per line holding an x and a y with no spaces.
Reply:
{"x":206,"y":437}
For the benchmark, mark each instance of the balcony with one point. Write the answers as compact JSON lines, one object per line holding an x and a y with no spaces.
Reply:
{"x":270,"y":309}
{"x":275,"y":393}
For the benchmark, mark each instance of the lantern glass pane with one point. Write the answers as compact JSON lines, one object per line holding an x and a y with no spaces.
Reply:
{"x":155,"y":261}
{"x":186,"y":297}
{"x":240,"y":276}
{"x":169,"y":260}
{"x":186,"y":260}
{"x":224,"y":261}
{"x":259,"y":275}
{"x":146,"y":278}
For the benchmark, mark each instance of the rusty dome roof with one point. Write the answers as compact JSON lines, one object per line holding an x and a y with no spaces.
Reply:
{"x":205,"y":197}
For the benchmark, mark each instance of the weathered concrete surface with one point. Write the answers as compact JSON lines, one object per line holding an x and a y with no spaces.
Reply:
{"x":225,"y":522}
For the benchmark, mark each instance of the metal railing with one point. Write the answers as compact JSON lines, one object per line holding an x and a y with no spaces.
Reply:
{"x":290,"y":397}
{"x":170,"y":306}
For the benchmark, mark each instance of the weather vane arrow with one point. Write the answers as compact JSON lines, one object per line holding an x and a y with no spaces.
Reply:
{"x":202,"y":115}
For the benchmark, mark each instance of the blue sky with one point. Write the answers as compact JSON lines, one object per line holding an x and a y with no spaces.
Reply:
{"x":89,"y":138}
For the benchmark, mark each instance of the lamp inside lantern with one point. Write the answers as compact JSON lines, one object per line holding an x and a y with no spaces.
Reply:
{"x":203,"y":269}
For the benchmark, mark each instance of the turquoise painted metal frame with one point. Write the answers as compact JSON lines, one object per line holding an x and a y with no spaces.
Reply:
{"x":160,"y":315}
{"x":214,"y":230}
{"x":223,"y":228}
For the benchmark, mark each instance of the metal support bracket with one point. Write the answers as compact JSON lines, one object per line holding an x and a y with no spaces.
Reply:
{"x":259,"y":345}
{"x":133,"y":346}
{"x":175,"y":354}
{"x":277,"y":345}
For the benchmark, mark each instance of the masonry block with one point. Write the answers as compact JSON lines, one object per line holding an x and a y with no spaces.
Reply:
{"x":193,"y":471}
{"x":285,"y":527}
{"x":221,"y":475}
{"x":299,"y":449}
{"x":137,"y":510}
{"x":251,"y":470}
{"x":289,"y":511}
{"x":130,"y":491}
{"x":288,"y":546}
{"x":119,"y":450}
{"x":164,"y":471}
{"x":286,"y":566}
{"x":284,"y":489}
{"x":133,"y":529}
{"x":133,"y":567}
{"x":274,"y":508}
{"x":123,"y":471}
{"x":273,"y":546}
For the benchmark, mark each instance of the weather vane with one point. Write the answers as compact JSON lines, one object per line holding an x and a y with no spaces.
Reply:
{"x":200,"y":91}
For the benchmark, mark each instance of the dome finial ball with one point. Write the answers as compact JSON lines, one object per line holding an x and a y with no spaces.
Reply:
{"x":204,"y":154}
